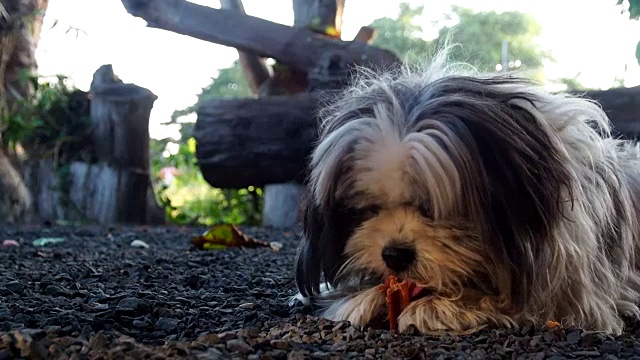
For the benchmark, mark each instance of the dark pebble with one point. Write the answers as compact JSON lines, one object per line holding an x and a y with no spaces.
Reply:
{"x":239,"y":346}
{"x":14,"y":286}
{"x":610,"y":347}
{"x":55,"y":290}
{"x":129,"y":303}
{"x":167,"y":324}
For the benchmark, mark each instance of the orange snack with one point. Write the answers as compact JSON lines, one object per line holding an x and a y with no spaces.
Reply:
{"x":398,"y":297}
{"x":553,"y":324}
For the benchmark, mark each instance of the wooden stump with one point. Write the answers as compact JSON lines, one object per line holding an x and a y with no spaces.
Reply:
{"x":117,"y":187}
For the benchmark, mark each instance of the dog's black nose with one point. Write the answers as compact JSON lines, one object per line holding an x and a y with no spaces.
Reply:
{"x":398,"y":257}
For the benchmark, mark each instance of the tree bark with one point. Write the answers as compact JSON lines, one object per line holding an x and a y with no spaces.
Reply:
{"x":20,"y":26}
{"x":19,"y":35}
{"x":296,"y":47}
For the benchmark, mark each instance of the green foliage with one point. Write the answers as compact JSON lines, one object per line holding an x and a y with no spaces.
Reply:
{"x":229,"y":83}
{"x":481,"y":35}
{"x":189,"y":199}
{"x":634,"y":14}
{"x":52,"y":123}
{"x":633,"y":8}
{"x":401,"y":35}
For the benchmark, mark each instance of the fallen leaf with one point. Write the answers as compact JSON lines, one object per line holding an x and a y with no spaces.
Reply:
{"x":224,"y":236}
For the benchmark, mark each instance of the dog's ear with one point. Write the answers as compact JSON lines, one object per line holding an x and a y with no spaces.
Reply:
{"x":309,"y":257}
{"x":325,"y":232}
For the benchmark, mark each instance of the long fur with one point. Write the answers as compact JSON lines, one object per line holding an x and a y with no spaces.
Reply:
{"x":519,"y":204}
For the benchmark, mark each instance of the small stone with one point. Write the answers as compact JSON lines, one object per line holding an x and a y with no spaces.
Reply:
{"x":280,"y":344}
{"x":296,"y":355}
{"x":10,"y":243}
{"x":139,"y":244}
{"x":210,"y":354}
{"x":55,"y":290}
{"x":167,"y":325}
{"x":239,"y":346}
{"x":14,"y":286}
{"x":97,"y":341}
{"x":340,"y":326}
{"x":139,"y":323}
{"x":574,"y":337}
{"x":610,"y":347}
{"x":128,"y":303}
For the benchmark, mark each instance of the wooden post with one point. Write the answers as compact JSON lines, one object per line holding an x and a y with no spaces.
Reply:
{"x":281,"y":201}
{"x":120,"y":115}
{"x":115,"y":186}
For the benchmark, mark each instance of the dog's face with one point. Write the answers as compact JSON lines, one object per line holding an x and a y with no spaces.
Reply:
{"x":452,"y":182}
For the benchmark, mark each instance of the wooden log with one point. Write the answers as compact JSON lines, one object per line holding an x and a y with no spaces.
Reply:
{"x":245,"y":142}
{"x":298,"y":47}
{"x":622,"y":105}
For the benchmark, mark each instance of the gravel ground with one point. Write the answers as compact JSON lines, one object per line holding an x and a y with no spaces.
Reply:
{"x":94,"y":296}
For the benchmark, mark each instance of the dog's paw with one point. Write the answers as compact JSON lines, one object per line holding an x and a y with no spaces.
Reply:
{"x":305,"y":300}
{"x":435,"y":314}
{"x":359,"y":309}
{"x":299,"y":298}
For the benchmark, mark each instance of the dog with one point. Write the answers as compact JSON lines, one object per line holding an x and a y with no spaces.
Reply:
{"x":502,"y":203}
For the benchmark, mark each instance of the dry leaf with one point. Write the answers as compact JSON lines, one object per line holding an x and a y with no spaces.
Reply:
{"x":224,"y":236}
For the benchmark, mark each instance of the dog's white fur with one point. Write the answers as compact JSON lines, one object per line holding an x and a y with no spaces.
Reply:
{"x":442,"y":161}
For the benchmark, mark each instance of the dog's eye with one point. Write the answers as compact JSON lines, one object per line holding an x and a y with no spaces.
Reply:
{"x":370,"y":211}
{"x":425,"y":211}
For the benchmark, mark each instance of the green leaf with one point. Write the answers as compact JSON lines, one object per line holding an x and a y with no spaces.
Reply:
{"x":638,"y":52}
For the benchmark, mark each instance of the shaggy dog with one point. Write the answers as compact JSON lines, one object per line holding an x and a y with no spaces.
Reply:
{"x":501,"y":203}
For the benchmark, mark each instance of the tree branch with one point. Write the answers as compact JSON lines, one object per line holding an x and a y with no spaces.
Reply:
{"x":297,"y":47}
{"x":255,"y":68}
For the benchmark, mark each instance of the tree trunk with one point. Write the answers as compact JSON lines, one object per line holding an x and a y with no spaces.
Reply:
{"x":19,"y":35}
{"x":20,"y":26}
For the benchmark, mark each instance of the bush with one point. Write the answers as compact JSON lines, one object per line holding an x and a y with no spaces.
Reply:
{"x":189,"y":199}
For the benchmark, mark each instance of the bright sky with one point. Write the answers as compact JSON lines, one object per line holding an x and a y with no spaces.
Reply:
{"x":590,"y":37}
